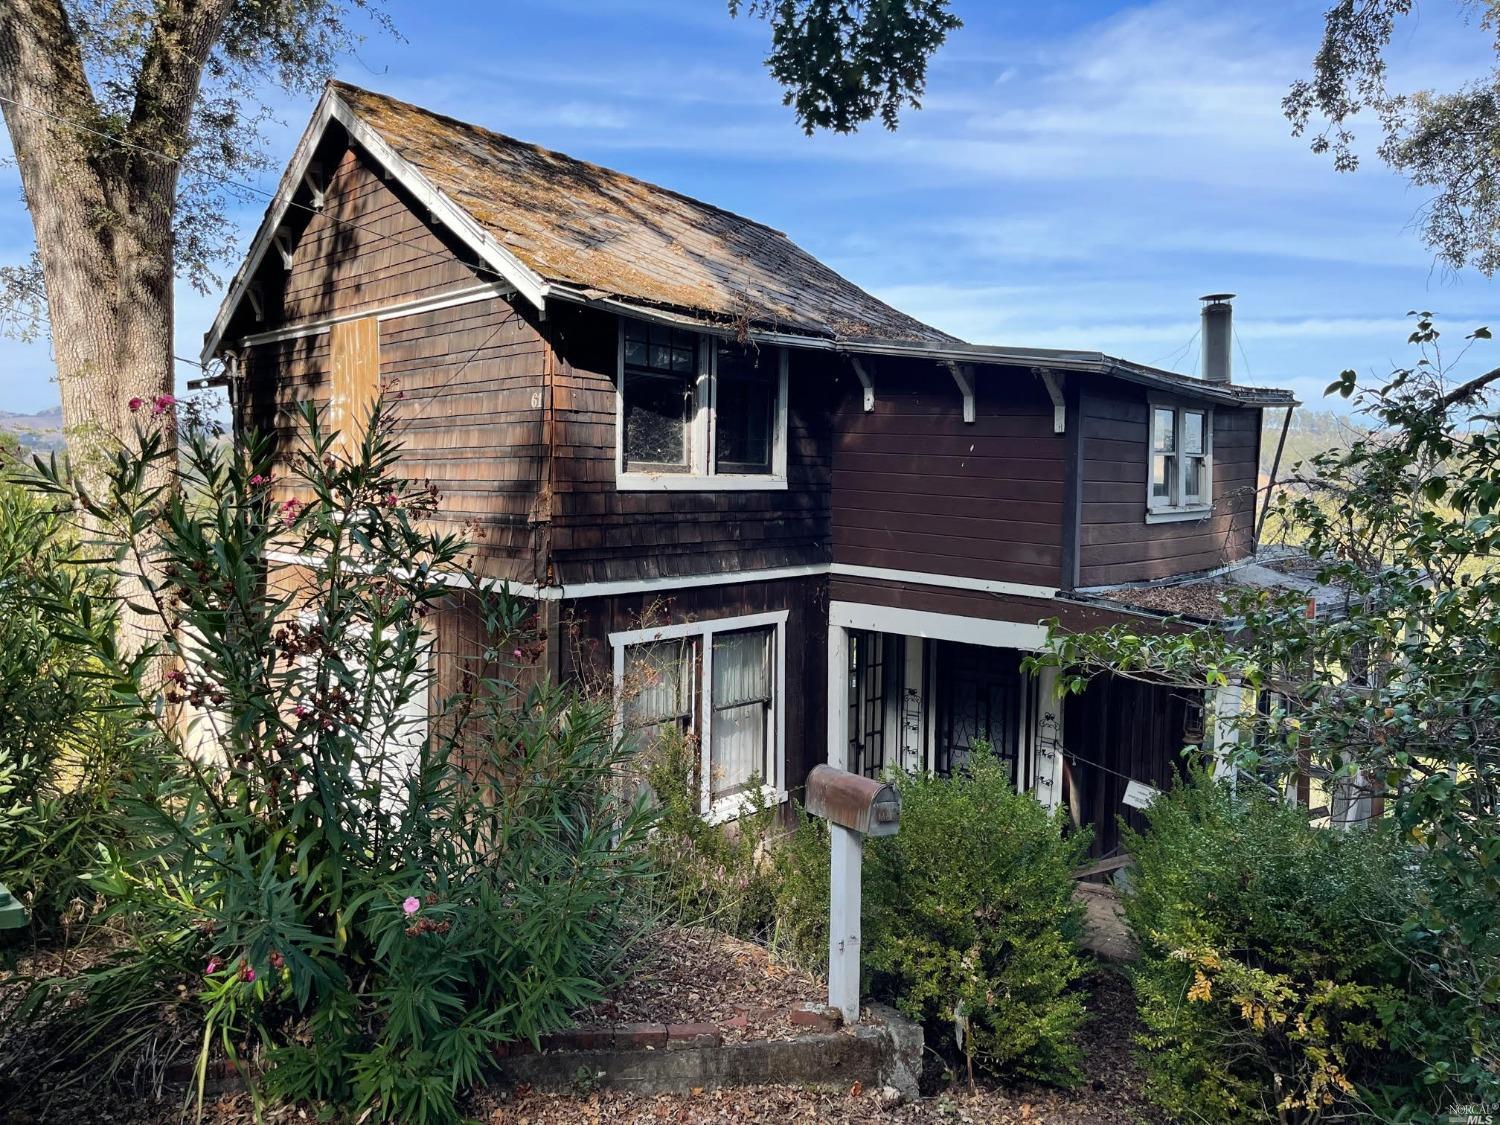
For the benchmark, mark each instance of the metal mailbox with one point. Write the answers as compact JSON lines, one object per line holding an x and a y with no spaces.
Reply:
{"x":861,"y":804}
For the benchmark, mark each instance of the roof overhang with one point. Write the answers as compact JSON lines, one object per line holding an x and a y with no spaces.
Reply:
{"x":332,"y":109}
{"x":956,"y":352}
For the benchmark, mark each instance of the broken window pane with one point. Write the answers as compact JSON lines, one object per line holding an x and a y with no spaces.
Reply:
{"x":660,"y":370}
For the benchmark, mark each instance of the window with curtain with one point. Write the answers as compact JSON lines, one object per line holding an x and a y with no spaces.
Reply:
{"x":659,"y":683}
{"x":741,"y":698}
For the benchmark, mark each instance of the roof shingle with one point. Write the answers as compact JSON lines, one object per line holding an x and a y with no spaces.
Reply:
{"x":579,"y":224}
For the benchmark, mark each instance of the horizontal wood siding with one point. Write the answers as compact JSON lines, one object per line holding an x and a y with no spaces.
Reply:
{"x":600,"y":533}
{"x":917,"y":488}
{"x":1116,"y":544}
{"x":461,"y":384}
{"x":588,"y":658}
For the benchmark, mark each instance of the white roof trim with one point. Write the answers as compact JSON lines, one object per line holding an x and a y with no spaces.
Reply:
{"x":332,"y":108}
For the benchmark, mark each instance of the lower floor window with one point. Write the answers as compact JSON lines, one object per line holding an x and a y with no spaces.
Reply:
{"x":741,"y":698}
{"x":718,"y":683}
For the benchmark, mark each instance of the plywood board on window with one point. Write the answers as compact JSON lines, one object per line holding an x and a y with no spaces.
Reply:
{"x":355,"y":345}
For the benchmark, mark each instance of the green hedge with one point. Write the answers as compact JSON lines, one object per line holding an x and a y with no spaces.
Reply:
{"x":1268,"y":982}
{"x":970,"y":923}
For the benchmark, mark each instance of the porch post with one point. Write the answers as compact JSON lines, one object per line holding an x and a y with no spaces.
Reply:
{"x":1049,"y":740}
{"x":843,"y":920}
{"x":1227,"y":703}
{"x":838,"y":697}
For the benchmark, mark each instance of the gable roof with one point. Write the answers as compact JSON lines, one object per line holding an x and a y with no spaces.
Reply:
{"x":572,"y":225}
{"x":552,"y":226}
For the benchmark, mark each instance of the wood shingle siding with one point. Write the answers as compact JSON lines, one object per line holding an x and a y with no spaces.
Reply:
{"x":368,"y":246}
{"x":600,"y":533}
{"x":917,"y":488}
{"x":1116,"y":544}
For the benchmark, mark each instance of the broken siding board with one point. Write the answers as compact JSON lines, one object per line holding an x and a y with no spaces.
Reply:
{"x":354,"y":347}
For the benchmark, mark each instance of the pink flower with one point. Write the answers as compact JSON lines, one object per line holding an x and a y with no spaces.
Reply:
{"x":247,"y":974}
{"x":391,"y":500}
{"x":517,"y":654}
{"x":290,"y":510}
{"x":213,"y":966}
{"x":162,"y":404}
{"x":136,"y":403}
{"x":411,"y":905}
{"x":259,"y":479}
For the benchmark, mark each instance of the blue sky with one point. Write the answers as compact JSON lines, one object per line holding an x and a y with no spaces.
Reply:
{"x":1079,"y":175}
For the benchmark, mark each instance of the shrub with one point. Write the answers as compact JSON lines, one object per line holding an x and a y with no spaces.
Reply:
{"x":361,"y":908}
{"x":62,"y":755}
{"x":970,"y":923}
{"x":1268,"y":982}
{"x":706,"y":873}
{"x":800,"y":869}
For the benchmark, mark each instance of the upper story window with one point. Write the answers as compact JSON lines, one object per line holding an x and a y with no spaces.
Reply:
{"x":1180,"y":482}
{"x":697,"y":412}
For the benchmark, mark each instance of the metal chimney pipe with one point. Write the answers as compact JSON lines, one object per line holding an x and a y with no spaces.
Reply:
{"x":1218,"y":336}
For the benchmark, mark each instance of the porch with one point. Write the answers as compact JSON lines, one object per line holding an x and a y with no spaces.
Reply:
{"x":915,"y":690}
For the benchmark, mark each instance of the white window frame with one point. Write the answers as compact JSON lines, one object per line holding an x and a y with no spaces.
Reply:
{"x":701,"y":476}
{"x":1158,"y":511}
{"x":772,"y":790}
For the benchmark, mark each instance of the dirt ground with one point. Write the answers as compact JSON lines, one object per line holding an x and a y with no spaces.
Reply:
{"x":694,"y":981}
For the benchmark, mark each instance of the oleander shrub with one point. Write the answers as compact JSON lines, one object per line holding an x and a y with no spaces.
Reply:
{"x":1269,"y":981}
{"x":355,"y":904}
{"x":62,"y":754}
{"x":970,"y":923}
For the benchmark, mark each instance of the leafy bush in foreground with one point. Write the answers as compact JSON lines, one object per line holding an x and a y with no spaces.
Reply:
{"x":970,"y":922}
{"x":1268,"y":982}
{"x":62,"y":755}
{"x":359,"y":905}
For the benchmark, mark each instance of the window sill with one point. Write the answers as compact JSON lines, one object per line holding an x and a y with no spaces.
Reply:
{"x":691,"y":482}
{"x":1178,"y":515}
{"x":743,"y":804}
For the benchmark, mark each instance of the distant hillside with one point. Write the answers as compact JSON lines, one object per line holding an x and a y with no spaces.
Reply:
{"x":41,"y":432}
{"x":1311,"y":432}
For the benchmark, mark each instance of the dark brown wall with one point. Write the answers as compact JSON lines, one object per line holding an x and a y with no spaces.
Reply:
{"x":1116,"y":544}
{"x":588,"y":659}
{"x":917,"y":488}
{"x":600,"y":533}
{"x":469,"y":377}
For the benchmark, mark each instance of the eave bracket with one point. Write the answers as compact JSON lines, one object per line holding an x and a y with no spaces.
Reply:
{"x":1054,"y":391}
{"x":963,"y":375}
{"x":864,"y":381}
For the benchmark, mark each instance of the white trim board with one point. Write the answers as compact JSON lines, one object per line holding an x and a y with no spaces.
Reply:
{"x":937,"y":626}
{"x":574,"y":591}
{"x":949,"y":581}
{"x":465,"y":296}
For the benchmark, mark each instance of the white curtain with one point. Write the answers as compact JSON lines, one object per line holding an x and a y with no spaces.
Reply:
{"x":658,"y":676}
{"x":741,"y":697}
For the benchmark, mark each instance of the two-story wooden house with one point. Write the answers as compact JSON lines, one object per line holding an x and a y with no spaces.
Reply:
{"x":829,"y":531}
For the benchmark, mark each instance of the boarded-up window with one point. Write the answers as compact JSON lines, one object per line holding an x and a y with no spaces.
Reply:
{"x":355,"y":345}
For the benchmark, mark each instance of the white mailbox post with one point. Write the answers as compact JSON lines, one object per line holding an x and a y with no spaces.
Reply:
{"x":855,"y":807}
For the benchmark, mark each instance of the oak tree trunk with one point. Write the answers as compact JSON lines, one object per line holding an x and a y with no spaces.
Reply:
{"x":103,"y":208}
